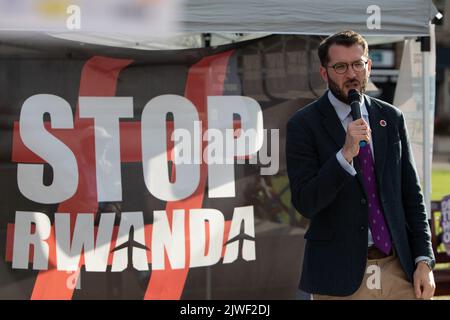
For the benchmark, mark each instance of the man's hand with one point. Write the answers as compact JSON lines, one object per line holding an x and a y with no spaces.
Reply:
{"x":356,"y":131}
{"x":424,"y":285}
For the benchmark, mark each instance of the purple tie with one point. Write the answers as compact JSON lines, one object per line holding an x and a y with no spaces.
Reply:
{"x":377,"y":223}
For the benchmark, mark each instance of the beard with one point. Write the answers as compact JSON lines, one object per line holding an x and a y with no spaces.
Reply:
{"x":340,"y":94}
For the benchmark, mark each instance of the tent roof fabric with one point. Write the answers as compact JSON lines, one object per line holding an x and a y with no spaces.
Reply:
{"x":315,"y":17}
{"x":231,"y":21}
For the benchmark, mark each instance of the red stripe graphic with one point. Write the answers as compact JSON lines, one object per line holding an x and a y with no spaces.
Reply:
{"x":98,"y":78}
{"x":205,"y":78}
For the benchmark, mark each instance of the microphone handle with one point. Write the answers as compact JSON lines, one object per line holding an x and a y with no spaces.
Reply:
{"x":356,"y":111}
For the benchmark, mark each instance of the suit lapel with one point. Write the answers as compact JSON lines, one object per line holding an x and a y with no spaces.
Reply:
{"x":331,"y":121}
{"x":379,"y":135}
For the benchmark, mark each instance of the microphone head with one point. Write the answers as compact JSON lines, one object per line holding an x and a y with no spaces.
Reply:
{"x":353,"y":95}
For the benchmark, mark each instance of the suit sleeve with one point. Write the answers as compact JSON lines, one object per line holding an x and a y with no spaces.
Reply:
{"x":412,"y":199}
{"x":314,"y":186}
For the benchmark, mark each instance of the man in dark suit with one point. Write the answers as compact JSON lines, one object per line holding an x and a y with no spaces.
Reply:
{"x":368,"y":235}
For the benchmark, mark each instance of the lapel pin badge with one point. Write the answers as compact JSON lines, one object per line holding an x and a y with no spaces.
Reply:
{"x":383,"y":123}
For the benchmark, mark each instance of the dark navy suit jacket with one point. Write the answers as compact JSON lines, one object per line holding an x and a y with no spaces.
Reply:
{"x":336,"y":203}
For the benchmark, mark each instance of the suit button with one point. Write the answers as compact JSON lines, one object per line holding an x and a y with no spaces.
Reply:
{"x":362,"y":228}
{"x":363,"y":201}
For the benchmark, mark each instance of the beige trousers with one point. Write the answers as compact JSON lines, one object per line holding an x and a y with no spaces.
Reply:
{"x":384,"y":279}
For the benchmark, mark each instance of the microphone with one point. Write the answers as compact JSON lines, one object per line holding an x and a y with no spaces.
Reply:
{"x":354,"y":97}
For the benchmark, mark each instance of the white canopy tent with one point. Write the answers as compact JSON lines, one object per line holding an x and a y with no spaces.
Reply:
{"x":142,"y":27}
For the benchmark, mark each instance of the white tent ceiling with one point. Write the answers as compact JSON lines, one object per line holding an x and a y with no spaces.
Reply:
{"x":237,"y":20}
{"x":399,"y":17}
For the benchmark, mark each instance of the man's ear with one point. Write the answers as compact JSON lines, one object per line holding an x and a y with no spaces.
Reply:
{"x":369,"y":66}
{"x":323,"y":73}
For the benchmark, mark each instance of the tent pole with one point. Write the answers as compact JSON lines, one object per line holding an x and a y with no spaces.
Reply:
{"x":206,"y":37}
{"x":427,"y":147}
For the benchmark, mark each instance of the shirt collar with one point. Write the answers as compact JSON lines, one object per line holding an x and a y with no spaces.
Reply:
{"x":342,"y":109}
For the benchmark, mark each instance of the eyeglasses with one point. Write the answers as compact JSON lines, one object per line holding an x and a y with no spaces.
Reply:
{"x":342,"y":67}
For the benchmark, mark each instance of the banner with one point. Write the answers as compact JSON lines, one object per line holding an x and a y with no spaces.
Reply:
{"x":150,"y":175}
{"x":445,"y":223}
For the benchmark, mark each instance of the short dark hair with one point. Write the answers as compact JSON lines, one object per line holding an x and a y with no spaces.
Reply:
{"x":344,"y":38}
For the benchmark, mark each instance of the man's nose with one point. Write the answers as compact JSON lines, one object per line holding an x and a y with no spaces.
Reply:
{"x":350,"y":72}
